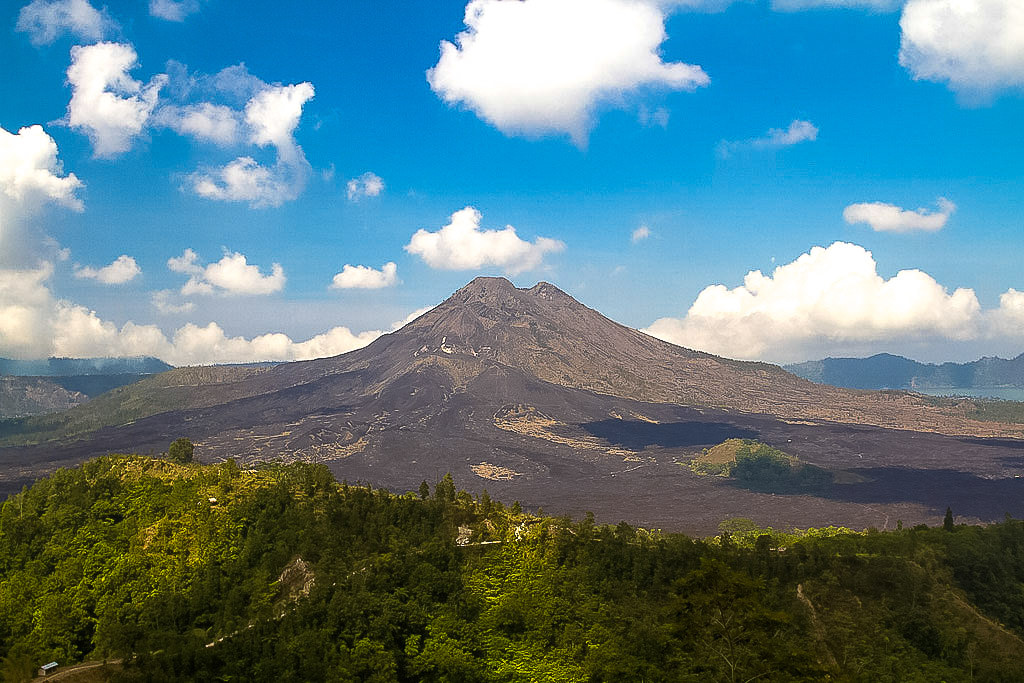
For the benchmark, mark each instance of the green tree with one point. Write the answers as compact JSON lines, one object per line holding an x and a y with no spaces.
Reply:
{"x":947,"y":522}
{"x":181,"y":451}
{"x":445,"y":489}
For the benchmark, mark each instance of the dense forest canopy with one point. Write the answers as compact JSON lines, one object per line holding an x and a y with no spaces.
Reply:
{"x":193,"y":572}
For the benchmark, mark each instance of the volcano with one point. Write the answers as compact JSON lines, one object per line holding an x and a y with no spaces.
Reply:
{"x":536,"y":397}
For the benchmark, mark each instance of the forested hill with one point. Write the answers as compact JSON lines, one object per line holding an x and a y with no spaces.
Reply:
{"x":189,"y":572}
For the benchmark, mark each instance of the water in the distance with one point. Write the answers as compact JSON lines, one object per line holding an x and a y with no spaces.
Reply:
{"x":1004,"y":393}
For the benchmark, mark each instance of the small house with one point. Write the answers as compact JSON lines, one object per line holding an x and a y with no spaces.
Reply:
{"x":47,"y":669}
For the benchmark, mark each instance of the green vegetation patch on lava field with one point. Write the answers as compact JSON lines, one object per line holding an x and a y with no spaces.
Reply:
{"x":760,"y":467}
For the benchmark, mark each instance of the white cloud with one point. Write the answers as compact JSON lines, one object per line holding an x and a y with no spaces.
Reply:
{"x":162,"y":302}
{"x":976,"y":46}
{"x":367,"y":185}
{"x":204,"y":121}
{"x":233,"y":274}
{"x":363,"y":277}
{"x":399,"y":324}
{"x":47,"y":20}
{"x":35,"y":324}
{"x":123,"y":269}
{"x":798,"y":131}
{"x":24,"y":311}
{"x":173,"y":10}
{"x":540,"y":67}
{"x":272,"y":115}
{"x":1008,"y":319}
{"x":193,"y":344}
{"x":875,"y":5}
{"x":776,"y":138}
{"x":824,"y":299}
{"x":641,"y":233}
{"x":462,"y":245}
{"x":890,"y":218}
{"x":187,"y":263}
{"x":30,"y":171}
{"x":246,"y":180}
{"x":106,"y":103}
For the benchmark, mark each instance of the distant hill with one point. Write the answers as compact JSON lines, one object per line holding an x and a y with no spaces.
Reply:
{"x":52,"y":367}
{"x":26,"y":396}
{"x":886,"y":371}
{"x":50,"y":385}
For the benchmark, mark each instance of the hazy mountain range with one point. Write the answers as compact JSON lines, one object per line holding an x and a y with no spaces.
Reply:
{"x":53,"y":367}
{"x":886,"y":371}
{"x":38,"y":387}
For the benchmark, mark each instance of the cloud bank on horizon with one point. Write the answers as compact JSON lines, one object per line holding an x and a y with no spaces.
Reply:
{"x":569,"y":90}
{"x":833,"y":297}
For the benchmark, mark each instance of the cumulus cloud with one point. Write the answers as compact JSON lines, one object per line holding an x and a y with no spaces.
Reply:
{"x":274,"y":113}
{"x":364,"y":277}
{"x":271,"y":115}
{"x":246,"y":180}
{"x":163,"y":302}
{"x":173,"y":10}
{"x":540,"y":67}
{"x":641,"y":233}
{"x":192,"y":344}
{"x":890,"y":218}
{"x":35,"y":324}
{"x":106,"y":103}
{"x":122,"y":269}
{"x":976,"y":46}
{"x":24,"y":310}
{"x":462,"y":245}
{"x":1008,"y":319}
{"x":204,"y":121}
{"x":367,"y":185}
{"x":233,"y":274}
{"x":31,"y":173}
{"x":776,"y":138}
{"x":47,"y":20}
{"x":824,"y":299}
{"x":399,"y":324}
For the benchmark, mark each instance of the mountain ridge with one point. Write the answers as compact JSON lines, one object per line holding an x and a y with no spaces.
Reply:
{"x":889,"y":371}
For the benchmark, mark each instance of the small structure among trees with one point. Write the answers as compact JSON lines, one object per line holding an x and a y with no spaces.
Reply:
{"x":47,"y":669}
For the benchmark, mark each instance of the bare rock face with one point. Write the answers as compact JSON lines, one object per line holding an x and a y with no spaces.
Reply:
{"x":25,"y":396}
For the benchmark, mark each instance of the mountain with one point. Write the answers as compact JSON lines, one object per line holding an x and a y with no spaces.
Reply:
{"x":51,"y":367}
{"x":25,"y":396}
{"x":41,"y":387}
{"x":541,"y":399}
{"x":886,"y":371}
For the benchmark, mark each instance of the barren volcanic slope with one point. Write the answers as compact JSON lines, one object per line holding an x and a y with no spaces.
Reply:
{"x":543,"y":400}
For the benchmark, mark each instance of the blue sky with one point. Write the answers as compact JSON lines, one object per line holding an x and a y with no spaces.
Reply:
{"x":205,"y":171}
